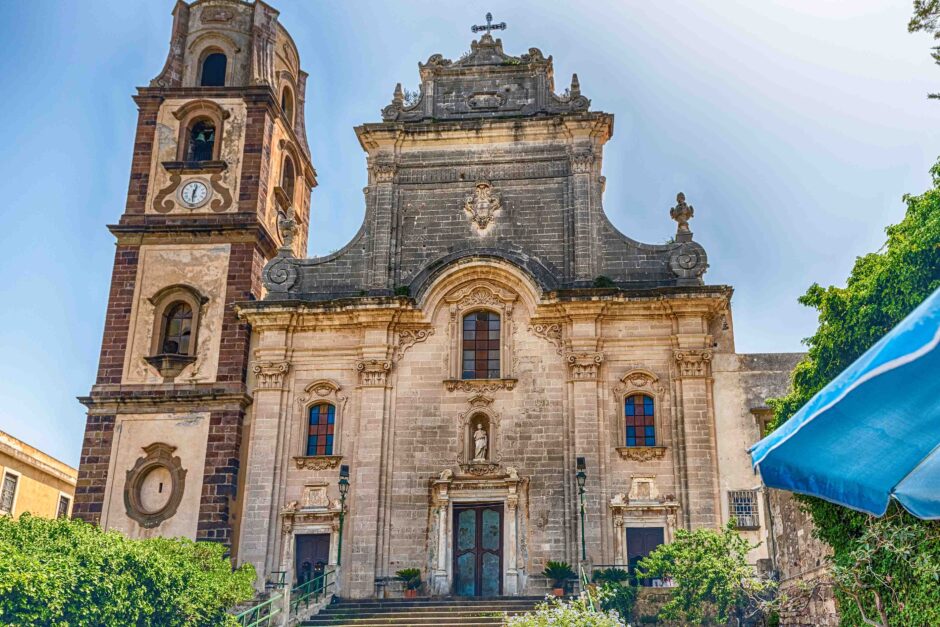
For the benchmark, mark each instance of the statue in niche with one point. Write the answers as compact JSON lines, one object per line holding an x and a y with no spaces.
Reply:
{"x":480,"y":441}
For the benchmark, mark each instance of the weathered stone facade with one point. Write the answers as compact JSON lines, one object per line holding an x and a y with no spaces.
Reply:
{"x":484,"y":200}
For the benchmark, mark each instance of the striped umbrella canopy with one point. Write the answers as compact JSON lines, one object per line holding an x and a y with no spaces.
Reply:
{"x":873,"y":433}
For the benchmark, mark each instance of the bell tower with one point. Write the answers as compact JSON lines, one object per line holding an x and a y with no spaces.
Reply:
{"x":220,"y":169}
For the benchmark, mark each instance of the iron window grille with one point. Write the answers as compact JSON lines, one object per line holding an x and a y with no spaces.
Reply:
{"x":742,"y":505}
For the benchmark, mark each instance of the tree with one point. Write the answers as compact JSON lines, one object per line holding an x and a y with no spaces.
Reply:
{"x":712,"y":577}
{"x":70,"y":573}
{"x":927,"y":18}
{"x":881,"y":290}
{"x":573,"y":613}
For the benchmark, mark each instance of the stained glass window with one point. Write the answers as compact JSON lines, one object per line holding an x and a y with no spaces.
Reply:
{"x":641,"y":426}
{"x":177,"y":329}
{"x":320,"y":429}
{"x":481,"y":345}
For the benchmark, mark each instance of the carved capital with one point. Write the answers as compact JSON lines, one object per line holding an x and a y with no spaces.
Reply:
{"x":383,"y":172}
{"x":270,"y":374}
{"x":693,"y":362}
{"x":584,"y":366}
{"x":373,"y":372}
{"x":582,"y":163}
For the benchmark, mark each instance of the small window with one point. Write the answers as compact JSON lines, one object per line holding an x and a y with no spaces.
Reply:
{"x":287,"y":105}
{"x":742,"y":506}
{"x":481,"y":345}
{"x":63,"y":510}
{"x":213,"y":70}
{"x":8,"y":493}
{"x":201,"y":141}
{"x":177,"y":329}
{"x":640,"y":421}
{"x":287,"y":179}
{"x":320,"y":431}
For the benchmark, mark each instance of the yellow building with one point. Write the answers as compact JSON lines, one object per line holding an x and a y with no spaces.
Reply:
{"x":31,"y":481}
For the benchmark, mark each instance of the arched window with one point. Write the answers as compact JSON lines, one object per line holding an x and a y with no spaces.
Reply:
{"x":213,"y":70}
{"x":287,"y":105}
{"x":320,"y":429}
{"x":201,"y":146}
{"x":481,"y":345}
{"x":177,"y":329}
{"x":638,"y":411}
{"x":287,"y":179}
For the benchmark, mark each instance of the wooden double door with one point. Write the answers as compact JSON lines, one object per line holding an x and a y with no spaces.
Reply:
{"x":311,"y":556}
{"x":478,"y":549}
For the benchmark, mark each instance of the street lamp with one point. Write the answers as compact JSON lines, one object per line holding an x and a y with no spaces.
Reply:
{"x":581,"y":477}
{"x":343,"y":491}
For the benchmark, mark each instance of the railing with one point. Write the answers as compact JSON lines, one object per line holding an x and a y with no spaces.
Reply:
{"x":311,"y":591}
{"x":262,"y":614}
{"x":633,"y":580}
{"x":586,"y":588}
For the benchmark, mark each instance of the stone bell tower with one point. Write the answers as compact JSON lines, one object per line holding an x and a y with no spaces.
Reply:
{"x":220,"y":163}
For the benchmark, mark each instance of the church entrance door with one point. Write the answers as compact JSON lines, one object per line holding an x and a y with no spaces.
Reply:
{"x":478,"y":549}
{"x":641,"y":541}
{"x":311,"y":556}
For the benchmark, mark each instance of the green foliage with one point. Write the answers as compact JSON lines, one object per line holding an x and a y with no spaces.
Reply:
{"x":574,"y":613}
{"x":411,"y":577}
{"x":617,"y":597}
{"x":711,"y":575}
{"x":557,"y":572}
{"x":67,"y":573}
{"x":604,"y":281}
{"x":612,"y":575}
{"x":881,"y":290}
{"x":402,"y":290}
{"x":927,"y":18}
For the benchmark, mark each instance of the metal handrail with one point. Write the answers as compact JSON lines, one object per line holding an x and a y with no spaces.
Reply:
{"x":261,"y":614}
{"x":585,"y":587}
{"x":312,"y":589}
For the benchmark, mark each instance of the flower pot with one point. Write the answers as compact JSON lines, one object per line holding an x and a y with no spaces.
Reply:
{"x":558,"y":592}
{"x":411,"y":594}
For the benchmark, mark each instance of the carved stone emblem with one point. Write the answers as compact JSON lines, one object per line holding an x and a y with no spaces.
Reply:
{"x":641,"y":453}
{"x":319,"y":462}
{"x":482,"y":204}
{"x":693,"y":362}
{"x":153,"y":488}
{"x":485,"y":101}
{"x":216,"y":15}
{"x":584,"y":366}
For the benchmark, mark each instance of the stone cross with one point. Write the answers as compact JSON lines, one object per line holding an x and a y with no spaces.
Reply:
{"x":489,"y":25}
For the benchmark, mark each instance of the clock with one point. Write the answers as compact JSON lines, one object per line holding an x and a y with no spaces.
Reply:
{"x":194,"y":194}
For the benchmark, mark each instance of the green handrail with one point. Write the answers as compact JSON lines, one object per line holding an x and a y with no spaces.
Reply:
{"x":585,"y":586}
{"x":261,"y":614}
{"x":312,"y":590}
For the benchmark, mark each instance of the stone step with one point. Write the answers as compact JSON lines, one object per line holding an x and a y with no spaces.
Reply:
{"x":459,"y":611}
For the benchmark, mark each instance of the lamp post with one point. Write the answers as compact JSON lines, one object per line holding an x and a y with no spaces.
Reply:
{"x":581,"y":477}
{"x":343,"y":491}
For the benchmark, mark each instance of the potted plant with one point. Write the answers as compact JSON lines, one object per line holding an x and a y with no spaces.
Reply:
{"x":557,"y":573}
{"x":411,"y":578}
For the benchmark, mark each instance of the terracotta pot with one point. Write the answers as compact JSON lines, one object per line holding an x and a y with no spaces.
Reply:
{"x":411,"y":594}
{"x":558,"y":592}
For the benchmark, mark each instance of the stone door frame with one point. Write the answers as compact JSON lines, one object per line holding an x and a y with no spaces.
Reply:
{"x":504,"y":488}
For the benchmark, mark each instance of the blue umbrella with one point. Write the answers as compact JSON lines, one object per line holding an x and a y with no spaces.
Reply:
{"x":874,"y":432}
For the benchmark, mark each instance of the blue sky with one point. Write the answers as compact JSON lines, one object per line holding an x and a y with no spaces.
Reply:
{"x":794,"y":128}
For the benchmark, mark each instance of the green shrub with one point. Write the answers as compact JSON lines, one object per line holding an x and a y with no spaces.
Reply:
{"x":617,"y":597}
{"x":574,"y":613}
{"x":411,"y":577}
{"x":604,"y":282}
{"x":558,"y":572}
{"x":67,"y":573}
{"x":611,"y":575}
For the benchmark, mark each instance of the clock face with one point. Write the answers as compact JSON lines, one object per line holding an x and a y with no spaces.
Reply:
{"x":194,"y":193}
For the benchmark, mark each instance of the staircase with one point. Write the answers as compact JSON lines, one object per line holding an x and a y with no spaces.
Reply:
{"x":437,"y":612}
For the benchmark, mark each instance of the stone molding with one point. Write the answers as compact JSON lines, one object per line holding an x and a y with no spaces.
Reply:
{"x":479,"y":385}
{"x":477,"y":405}
{"x":158,"y":455}
{"x":693,"y":362}
{"x":408,"y":337}
{"x":584,"y":366}
{"x":641,"y":453}
{"x":317,"y":462}
{"x":270,"y":375}
{"x":549,"y":331}
{"x":481,"y":295}
{"x":373,"y":372}
{"x":582,"y":163}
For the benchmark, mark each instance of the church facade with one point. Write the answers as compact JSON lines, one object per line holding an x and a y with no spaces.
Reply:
{"x":499,"y":376}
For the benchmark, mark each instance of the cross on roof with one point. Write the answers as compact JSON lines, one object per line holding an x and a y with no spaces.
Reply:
{"x":489,"y":25}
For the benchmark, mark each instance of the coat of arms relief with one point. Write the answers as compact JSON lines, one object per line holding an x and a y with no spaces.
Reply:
{"x":482,"y":204}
